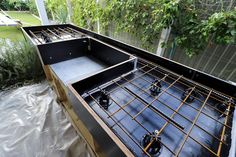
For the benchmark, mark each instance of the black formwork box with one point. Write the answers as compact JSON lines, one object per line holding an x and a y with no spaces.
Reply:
{"x":73,"y":65}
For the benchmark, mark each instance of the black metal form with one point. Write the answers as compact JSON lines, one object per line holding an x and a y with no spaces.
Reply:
{"x":190,"y":73}
{"x":193,"y":74}
{"x":153,"y":105}
{"x":185,"y":117}
{"x":50,"y":34}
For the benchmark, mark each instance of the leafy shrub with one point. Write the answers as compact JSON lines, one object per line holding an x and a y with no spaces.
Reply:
{"x":14,"y":5}
{"x":32,"y":7}
{"x":19,"y":63}
{"x":85,"y":13}
{"x":19,"y":5}
{"x":57,"y":10}
{"x":5,"y":5}
{"x":61,"y":14}
{"x":146,"y":19}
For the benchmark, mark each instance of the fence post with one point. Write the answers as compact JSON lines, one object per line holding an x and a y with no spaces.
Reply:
{"x":69,"y":9}
{"x":42,"y":12}
{"x":98,"y":22}
{"x":164,"y":38}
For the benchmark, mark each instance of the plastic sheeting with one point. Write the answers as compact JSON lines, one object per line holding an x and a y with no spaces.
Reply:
{"x":32,"y":124}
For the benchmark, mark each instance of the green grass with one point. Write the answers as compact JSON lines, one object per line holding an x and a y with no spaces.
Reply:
{"x":19,"y":62}
{"x":14,"y":34}
{"x":26,"y":18}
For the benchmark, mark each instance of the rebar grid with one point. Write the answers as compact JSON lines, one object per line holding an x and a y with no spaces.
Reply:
{"x":147,"y":105}
{"x":132,"y":72}
{"x":73,"y":30}
{"x":185,"y":84}
{"x":191,"y":136}
{"x":183,"y":102}
{"x":129,"y":81}
{"x":139,"y":76}
{"x":154,"y":68}
{"x":189,"y":81}
{"x":158,"y":96}
{"x":122,"y":128}
{"x":139,"y":124}
{"x":52,"y":33}
{"x":207,"y":148}
{"x":176,"y":112}
{"x":195,"y":120}
{"x":223,"y":130}
{"x":200,"y":111}
{"x":164,"y":126}
{"x":193,"y":106}
{"x":66,"y":32}
{"x":35,"y":36}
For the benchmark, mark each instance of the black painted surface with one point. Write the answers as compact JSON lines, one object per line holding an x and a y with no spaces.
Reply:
{"x":171,"y":136}
{"x":105,"y":143}
{"x":188,"y":72}
{"x":60,"y":51}
{"x":106,"y":53}
{"x":103,"y":77}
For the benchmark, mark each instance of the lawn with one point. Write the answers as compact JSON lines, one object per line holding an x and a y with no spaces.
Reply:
{"x":18,"y":60}
{"x":11,"y":33}
{"x":14,"y":33}
{"x":26,"y":18}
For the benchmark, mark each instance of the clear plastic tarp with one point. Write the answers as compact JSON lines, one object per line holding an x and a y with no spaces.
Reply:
{"x":33,"y":124}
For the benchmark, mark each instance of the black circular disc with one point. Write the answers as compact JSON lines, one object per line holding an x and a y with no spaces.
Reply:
{"x":155,"y":148}
{"x":191,"y":97}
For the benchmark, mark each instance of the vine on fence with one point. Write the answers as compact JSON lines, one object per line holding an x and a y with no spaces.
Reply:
{"x":85,"y":13}
{"x":146,"y":18}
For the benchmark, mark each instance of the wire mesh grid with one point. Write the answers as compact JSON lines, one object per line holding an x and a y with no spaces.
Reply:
{"x":170,"y":115}
{"x":208,"y":7}
{"x":49,"y":35}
